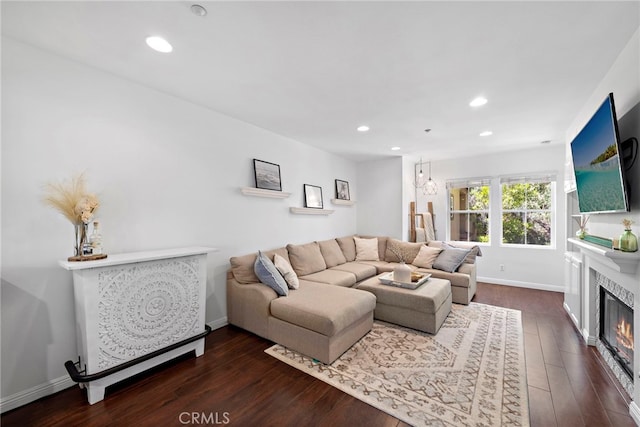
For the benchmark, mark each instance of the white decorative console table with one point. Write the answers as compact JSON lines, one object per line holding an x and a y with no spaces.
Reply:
{"x":135,"y":311}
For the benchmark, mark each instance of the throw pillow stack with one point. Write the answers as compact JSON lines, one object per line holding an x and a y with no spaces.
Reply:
{"x":278,"y":275}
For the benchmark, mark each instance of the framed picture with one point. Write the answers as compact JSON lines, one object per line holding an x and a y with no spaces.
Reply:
{"x":342,"y":190}
{"x":267,"y":175}
{"x":312,"y":196}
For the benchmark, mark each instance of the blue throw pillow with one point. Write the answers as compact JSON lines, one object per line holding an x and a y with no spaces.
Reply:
{"x":269,"y":275}
{"x":450,"y":258}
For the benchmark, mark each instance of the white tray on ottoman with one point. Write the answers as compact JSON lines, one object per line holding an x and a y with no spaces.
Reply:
{"x":387,"y":279}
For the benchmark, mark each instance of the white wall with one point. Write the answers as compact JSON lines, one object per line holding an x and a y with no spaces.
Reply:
{"x":381,"y":198}
{"x":534,"y":267}
{"x":621,"y":79}
{"x":167,"y":173}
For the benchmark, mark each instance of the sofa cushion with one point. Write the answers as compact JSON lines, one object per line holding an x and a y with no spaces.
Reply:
{"x":327,"y":310}
{"x":332,"y":253}
{"x":306,"y":259}
{"x":456,"y":278}
{"x":450,"y":259}
{"x":426,"y":257}
{"x":360,"y":270}
{"x":471,"y":257}
{"x":348,"y":247}
{"x":242,"y":267}
{"x":332,"y":277}
{"x":382,"y":244}
{"x":269,"y":275}
{"x":287,"y":272}
{"x":366,"y":249}
{"x":398,"y":251}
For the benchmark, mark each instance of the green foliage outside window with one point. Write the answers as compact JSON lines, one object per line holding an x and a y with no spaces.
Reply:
{"x":526,"y":217}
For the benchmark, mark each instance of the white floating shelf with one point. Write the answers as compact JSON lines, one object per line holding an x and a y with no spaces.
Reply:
{"x":343,"y":202}
{"x":310,"y":211}
{"x":260,"y":192}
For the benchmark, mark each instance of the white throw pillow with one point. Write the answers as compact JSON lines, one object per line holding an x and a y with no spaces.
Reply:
{"x":426,"y":257}
{"x":287,"y":271}
{"x":366,"y":249}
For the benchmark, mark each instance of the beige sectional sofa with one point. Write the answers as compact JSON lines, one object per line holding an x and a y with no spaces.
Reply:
{"x":327,"y":314}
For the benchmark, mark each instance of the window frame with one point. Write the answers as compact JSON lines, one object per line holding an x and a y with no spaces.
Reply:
{"x":529,"y":179}
{"x":469,"y":183}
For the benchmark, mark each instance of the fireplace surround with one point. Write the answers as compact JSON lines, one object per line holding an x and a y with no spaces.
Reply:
{"x":615,"y":328}
{"x":618,"y":273}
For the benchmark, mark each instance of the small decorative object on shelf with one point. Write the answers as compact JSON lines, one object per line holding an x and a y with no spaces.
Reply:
{"x":582,"y":221}
{"x":96,"y":239}
{"x":73,"y":201}
{"x":628,"y":240}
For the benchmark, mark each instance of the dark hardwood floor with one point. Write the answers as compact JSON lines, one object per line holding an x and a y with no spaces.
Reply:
{"x":236,"y":383}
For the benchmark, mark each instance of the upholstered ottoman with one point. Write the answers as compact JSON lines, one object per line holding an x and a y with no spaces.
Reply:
{"x":424,"y":308}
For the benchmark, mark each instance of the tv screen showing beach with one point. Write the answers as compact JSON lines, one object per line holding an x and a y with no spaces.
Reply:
{"x":597,"y":164}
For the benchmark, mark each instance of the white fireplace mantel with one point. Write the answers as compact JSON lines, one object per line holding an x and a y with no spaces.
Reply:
{"x":623,"y":262}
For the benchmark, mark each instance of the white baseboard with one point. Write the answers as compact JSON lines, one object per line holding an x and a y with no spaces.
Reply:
{"x":518,"y":284}
{"x":634,"y":411}
{"x":218,"y":323}
{"x":34,"y":393}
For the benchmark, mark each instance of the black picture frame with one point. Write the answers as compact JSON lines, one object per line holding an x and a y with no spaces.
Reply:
{"x":267,"y":175}
{"x":342,"y":190}
{"x":313,"y":196}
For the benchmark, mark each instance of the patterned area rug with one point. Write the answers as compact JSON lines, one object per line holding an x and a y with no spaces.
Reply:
{"x":472,"y":373}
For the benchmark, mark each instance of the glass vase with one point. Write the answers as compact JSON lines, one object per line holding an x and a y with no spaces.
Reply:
{"x":628,"y":241}
{"x":81,"y":242}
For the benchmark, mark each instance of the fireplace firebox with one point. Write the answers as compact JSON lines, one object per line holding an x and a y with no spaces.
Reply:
{"x":616,"y":329}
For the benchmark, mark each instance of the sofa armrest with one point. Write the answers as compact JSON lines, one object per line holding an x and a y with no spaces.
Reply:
{"x":248,"y":306}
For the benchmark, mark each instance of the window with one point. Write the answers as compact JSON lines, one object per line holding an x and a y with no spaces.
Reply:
{"x":469,"y":210}
{"x":527,"y":210}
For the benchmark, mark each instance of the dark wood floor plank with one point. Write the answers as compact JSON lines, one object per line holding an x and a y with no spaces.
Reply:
{"x":541,"y":413}
{"x":536,"y":369}
{"x":568,"y":412}
{"x":567,"y":383}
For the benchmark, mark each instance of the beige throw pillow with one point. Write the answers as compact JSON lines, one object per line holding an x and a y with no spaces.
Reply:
{"x":366,"y":249}
{"x":398,"y":251}
{"x":287,"y":272}
{"x":426,"y":257}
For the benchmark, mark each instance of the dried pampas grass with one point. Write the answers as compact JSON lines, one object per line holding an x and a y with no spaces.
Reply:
{"x":71,"y":199}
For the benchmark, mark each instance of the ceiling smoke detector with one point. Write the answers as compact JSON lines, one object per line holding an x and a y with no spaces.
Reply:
{"x":198,"y":10}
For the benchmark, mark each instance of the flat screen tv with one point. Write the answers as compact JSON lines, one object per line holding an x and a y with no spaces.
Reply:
{"x":600,"y":180}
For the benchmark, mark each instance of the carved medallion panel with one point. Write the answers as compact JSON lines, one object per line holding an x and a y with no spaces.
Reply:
{"x":146,"y":306}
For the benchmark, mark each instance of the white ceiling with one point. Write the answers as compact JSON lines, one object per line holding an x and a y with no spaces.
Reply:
{"x":314,"y":71}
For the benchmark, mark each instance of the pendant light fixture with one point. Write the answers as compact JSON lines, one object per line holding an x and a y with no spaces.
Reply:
{"x":419,"y":181}
{"x":430,"y":188}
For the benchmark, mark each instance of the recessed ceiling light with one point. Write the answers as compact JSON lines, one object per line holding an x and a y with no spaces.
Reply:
{"x":477,"y":102}
{"x":363,"y":128}
{"x":159,"y":44}
{"x":486,"y":133}
{"x":395,"y":148}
